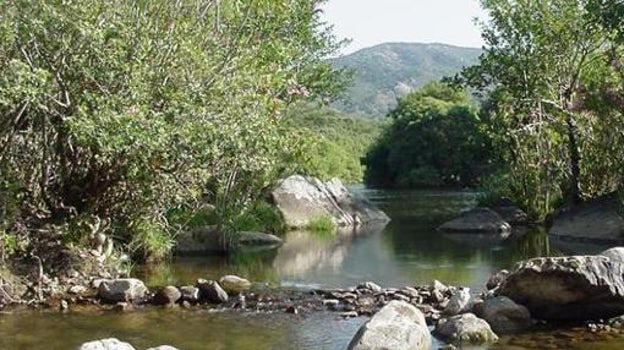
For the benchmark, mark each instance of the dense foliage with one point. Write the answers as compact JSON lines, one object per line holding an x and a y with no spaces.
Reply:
{"x":334,"y":142}
{"x":136,"y":114}
{"x":552,"y":73}
{"x":434,"y":139}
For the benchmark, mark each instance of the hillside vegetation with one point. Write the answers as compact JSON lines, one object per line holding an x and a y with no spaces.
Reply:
{"x":387,"y":71}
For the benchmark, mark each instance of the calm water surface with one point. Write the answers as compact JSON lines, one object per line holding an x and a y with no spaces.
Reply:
{"x":408,"y":251}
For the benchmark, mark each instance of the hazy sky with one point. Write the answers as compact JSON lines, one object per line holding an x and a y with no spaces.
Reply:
{"x":371,"y":22}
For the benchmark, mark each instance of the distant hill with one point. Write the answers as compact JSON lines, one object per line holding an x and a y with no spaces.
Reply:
{"x":391,"y":70}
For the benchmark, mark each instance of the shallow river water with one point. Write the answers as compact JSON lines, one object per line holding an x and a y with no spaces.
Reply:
{"x":408,"y":251}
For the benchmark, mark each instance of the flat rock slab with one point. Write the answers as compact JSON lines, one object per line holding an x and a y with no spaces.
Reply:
{"x":573,"y":288}
{"x":477,"y":220}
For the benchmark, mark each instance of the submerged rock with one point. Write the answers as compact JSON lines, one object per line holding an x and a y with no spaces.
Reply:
{"x":398,"y":325}
{"x":121,"y":290}
{"x":477,"y":220}
{"x":301,"y":199}
{"x":465,"y":329}
{"x":504,"y":315}
{"x":574,"y":288}
{"x":106,"y":344}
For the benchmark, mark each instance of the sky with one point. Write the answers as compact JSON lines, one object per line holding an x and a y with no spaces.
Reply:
{"x":371,"y":22}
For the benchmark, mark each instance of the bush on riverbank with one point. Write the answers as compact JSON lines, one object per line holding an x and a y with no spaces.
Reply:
{"x":116,"y":114}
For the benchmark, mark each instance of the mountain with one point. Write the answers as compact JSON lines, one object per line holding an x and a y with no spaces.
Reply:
{"x":387,"y":71}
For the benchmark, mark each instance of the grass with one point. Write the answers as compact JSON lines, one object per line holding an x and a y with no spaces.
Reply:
{"x":321,"y":224}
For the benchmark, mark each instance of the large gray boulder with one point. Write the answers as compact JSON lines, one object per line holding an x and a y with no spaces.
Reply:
{"x":573,"y":288}
{"x":595,"y":221}
{"x":504,"y":315}
{"x":234,"y":284}
{"x":465,"y":329}
{"x":398,"y":325}
{"x":477,"y":220}
{"x":106,"y":344}
{"x":301,"y":199}
{"x":121,"y":290}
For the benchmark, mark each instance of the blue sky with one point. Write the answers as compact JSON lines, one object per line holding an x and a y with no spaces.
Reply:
{"x":371,"y":22}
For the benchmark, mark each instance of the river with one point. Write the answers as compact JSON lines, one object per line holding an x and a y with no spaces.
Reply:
{"x":408,"y":251}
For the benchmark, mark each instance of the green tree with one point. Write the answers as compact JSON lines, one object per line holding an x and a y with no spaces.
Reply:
{"x":127,"y":110}
{"x":434,"y":139}
{"x":540,"y":61}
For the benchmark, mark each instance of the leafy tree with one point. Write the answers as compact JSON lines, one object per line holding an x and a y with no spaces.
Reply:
{"x":127,"y":110}
{"x":434,"y":139}
{"x":540,"y":66}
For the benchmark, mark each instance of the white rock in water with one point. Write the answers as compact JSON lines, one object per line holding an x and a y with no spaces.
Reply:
{"x":106,"y":344}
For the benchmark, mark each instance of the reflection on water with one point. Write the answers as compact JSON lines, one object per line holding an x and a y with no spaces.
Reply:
{"x":408,"y":251}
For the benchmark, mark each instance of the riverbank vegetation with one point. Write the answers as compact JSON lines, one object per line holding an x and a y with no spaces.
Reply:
{"x":124,"y":120}
{"x":550,"y":83}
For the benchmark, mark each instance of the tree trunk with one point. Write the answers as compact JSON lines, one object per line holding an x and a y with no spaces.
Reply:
{"x":575,"y":159}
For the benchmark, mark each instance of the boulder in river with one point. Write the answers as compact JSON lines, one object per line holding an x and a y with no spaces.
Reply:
{"x":234,"y":284}
{"x":301,"y":199}
{"x":504,"y":315}
{"x":167,"y":296}
{"x":596,"y":221}
{"x":163,"y":347}
{"x":465,"y":329}
{"x":211,"y":292}
{"x":121,"y":290}
{"x":106,"y":344}
{"x":477,"y":220}
{"x":398,"y":325}
{"x":573,"y":288}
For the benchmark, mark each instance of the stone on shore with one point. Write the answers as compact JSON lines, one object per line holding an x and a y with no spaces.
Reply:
{"x":398,"y":325}
{"x":301,"y":199}
{"x":465,"y":329}
{"x":234,"y":284}
{"x":106,"y":344}
{"x":573,"y":288}
{"x":121,"y":290}
{"x":477,"y":221}
{"x":504,"y":315}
